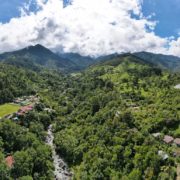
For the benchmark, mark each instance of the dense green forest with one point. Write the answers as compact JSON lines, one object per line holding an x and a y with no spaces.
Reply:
{"x":104,"y":120}
{"x":15,"y":82}
{"x":24,"y":139}
{"x":106,"y":117}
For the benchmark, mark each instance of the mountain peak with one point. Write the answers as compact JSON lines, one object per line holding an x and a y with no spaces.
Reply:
{"x":37,"y":55}
{"x":37,"y":47}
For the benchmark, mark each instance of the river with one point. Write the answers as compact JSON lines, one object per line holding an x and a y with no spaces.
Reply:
{"x":62,"y":171}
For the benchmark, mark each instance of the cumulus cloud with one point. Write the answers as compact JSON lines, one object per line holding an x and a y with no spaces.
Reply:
{"x":88,"y":27}
{"x":174,"y":47}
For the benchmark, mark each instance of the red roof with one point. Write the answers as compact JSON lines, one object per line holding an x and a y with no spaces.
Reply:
{"x":26,"y":108}
{"x":9,"y":161}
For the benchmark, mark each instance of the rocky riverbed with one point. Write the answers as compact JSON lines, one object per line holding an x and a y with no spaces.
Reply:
{"x":62,"y":171}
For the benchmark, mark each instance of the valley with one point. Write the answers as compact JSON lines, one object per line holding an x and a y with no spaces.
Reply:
{"x":110,"y":119}
{"x":90,"y":90}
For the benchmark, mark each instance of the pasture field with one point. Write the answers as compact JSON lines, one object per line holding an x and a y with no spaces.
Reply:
{"x":8,"y":108}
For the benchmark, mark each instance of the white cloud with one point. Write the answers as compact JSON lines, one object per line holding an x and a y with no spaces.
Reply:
{"x":175,"y":47}
{"x":89,"y":27}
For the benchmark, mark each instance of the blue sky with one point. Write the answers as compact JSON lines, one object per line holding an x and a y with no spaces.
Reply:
{"x":10,"y":9}
{"x":167,"y":13}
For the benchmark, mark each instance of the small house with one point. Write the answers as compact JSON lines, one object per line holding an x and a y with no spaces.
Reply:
{"x":177,"y":141}
{"x":156,"y":135}
{"x":24,"y":110}
{"x":9,"y":161}
{"x":177,"y":86}
{"x":49,"y":110}
{"x":163,"y":155}
{"x":15,"y":119}
{"x":168,"y":139}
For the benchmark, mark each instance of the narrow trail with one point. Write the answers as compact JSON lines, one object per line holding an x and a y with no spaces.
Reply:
{"x":61,"y":169}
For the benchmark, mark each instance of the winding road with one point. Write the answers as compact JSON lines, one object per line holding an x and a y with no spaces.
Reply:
{"x":62,"y":171}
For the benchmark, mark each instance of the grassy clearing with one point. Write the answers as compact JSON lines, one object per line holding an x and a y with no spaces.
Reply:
{"x":8,"y":109}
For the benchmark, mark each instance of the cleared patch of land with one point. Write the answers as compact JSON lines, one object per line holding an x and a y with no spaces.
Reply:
{"x":8,"y":109}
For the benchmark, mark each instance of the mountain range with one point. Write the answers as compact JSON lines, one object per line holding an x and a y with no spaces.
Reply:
{"x":33,"y":57}
{"x":109,"y":119}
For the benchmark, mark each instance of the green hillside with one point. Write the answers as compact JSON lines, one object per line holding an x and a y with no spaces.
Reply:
{"x":167,"y":62}
{"x":107,"y":116}
{"x":104,"y":120}
{"x":15,"y":82}
{"x":36,"y":57}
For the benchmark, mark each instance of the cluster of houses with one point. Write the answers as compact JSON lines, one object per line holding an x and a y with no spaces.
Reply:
{"x":171,"y":141}
{"x":27,"y":104}
{"x":26,"y":100}
{"x":176,"y":152}
{"x":25,"y":109}
{"x":168,"y":139}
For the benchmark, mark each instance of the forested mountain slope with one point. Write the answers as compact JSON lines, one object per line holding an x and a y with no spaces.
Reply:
{"x":104,"y":120}
{"x":107,"y":116}
{"x":166,"y":62}
{"x":81,"y":62}
{"x":38,"y":56}
{"x":34,"y":56}
{"x":162,"y":61}
{"x":16,"y":82}
{"x":23,"y":152}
